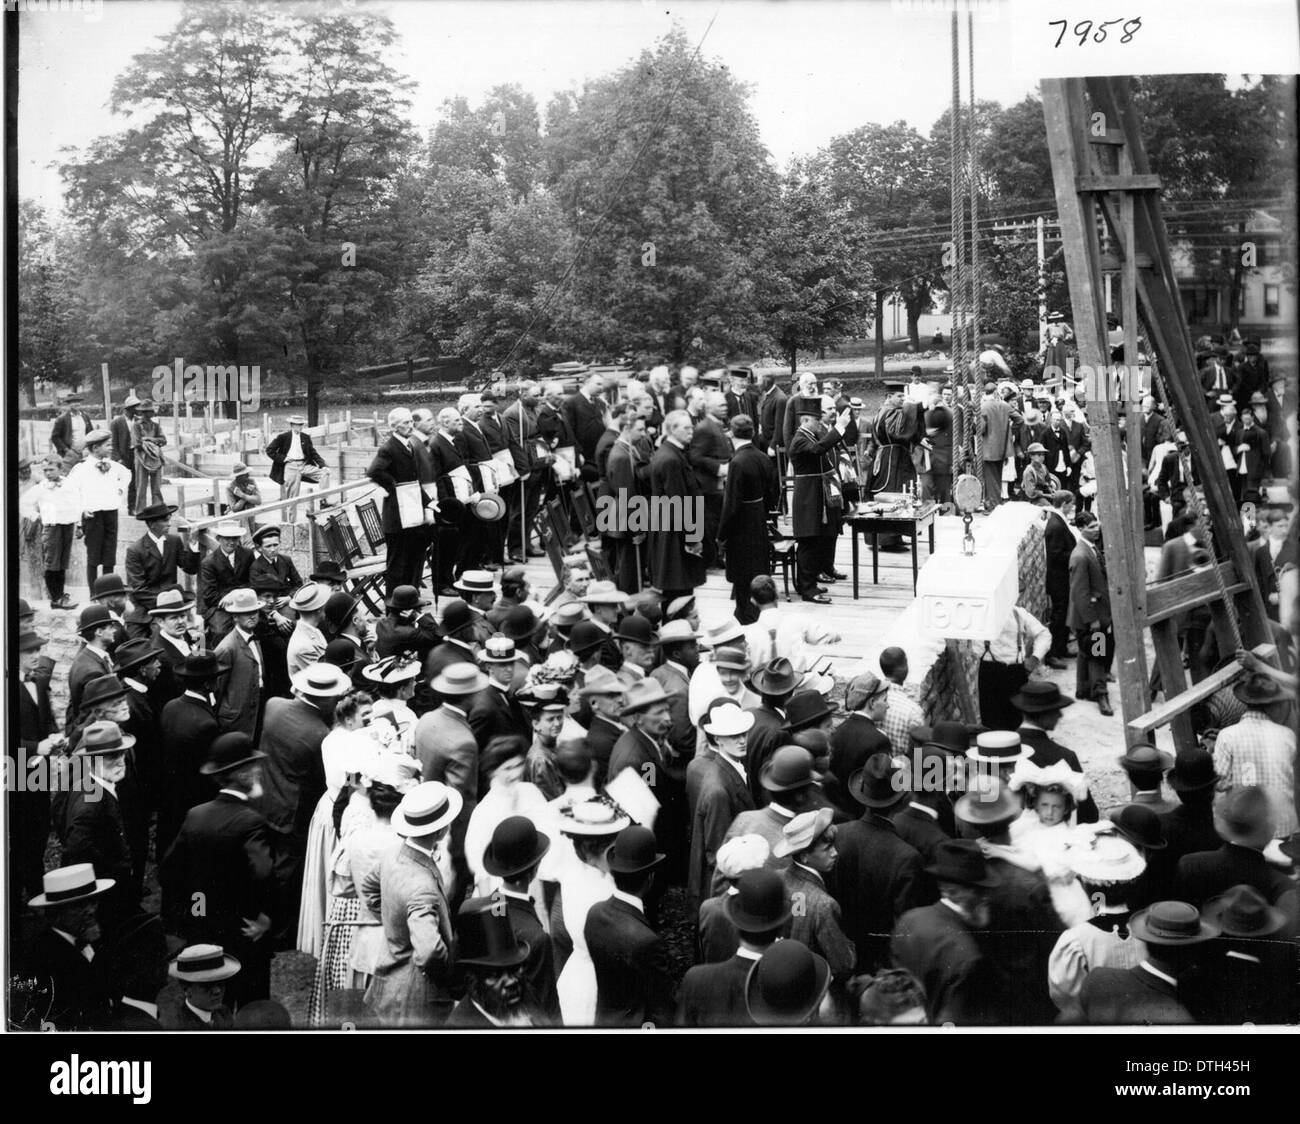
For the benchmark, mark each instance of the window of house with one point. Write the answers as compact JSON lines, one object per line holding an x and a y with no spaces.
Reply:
{"x":1272,"y":298}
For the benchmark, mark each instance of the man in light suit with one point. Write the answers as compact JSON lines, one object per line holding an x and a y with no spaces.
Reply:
{"x":996,"y":419}
{"x":411,"y":982}
{"x":633,"y":985}
{"x":243,"y":692}
{"x":1089,"y":616}
{"x":152,"y":562}
{"x":402,"y":459}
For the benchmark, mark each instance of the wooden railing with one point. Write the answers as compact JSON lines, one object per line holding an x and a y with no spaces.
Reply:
{"x":304,"y":499}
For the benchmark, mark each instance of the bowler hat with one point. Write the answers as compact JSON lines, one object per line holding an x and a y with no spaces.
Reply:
{"x":637,"y":629}
{"x":94,"y":616}
{"x":456,"y":616}
{"x":199,"y":665}
{"x":1193,"y":771}
{"x":777,"y":677}
{"x":1244,"y":912}
{"x":339,"y":606}
{"x":1139,"y":825}
{"x":107,"y":585}
{"x":643,"y":694}
{"x":29,"y":640}
{"x":633,"y":851}
{"x":875,"y":785}
{"x":102,"y":689}
{"x":328,"y":571}
{"x":72,"y":883}
{"x":521,"y":623}
{"x":102,"y":739}
{"x":962,"y":861}
{"x":342,"y":653}
{"x":516,"y":845}
{"x":203,"y":963}
{"x":760,"y":903}
{"x":132,"y":654}
{"x":1172,"y":923}
{"x":229,"y":751}
{"x":1038,"y":695}
{"x":788,"y":769}
{"x":786,"y":985}
{"x":155,"y":511}
{"x":585,"y":636}
{"x":485,"y":937}
{"x":406,"y":597}
{"x":806,"y":708}
{"x":1143,"y":758}
{"x":951,"y":737}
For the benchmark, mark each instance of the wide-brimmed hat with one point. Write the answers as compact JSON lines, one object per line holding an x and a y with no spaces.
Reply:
{"x":132,"y":654}
{"x":803,"y":831}
{"x":633,"y":850}
{"x":459,"y":679}
{"x":170,"y":602}
{"x":962,"y":861}
{"x":102,"y":689}
{"x":594,"y":817}
{"x":515,"y":846}
{"x":155,"y":511}
{"x":107,"y":585}
{"x":29,"y":640}
{"x":987,"y":802}
{"x":521,"y":623}
{"x":587,"y":635}
{"x":786,"y":985}
{"x":488,"y":508}
{"x":567,"y":615}
{"x":728,"y":720}
{"x":1172,"y":923}
{"x":240,"y":470}
{"x":776,"y":677}
{"x":634,"y":627}
{"x":806,"y":708}
{"x":499,"y":649}
{"x":485,"y":938}
{"x":328,"y":571}
{"x":679,"y":607}
{"x":1244,"y":912}
{"x":475,"y":581}
{"x":599,"y":680}
{"x":406,"y":597}
{"x":199,"y":665}
{"x":1259,"y":690}
{"x":1143,"y":758}
{"x":67,"y":884}
{"x":322,"y":680}
{"x":542,"y":697}
{"x":998,"y":747}
{"x":229,"y":751}
{"x":876,"y":783}
{"x":760,"y":903}
{"x":724,"y":633}
{"x":229,"y":529}
{"x":94,"y":616}
{"x":241,"y":601}
{"x":147,"y":407}
{"x":1104,"y":858}
{"x":788,"y":769}
{"x":203,"y":963}
{"x":309,"y":597}
{"x":1245,"y":816}
{"x":603,"y":593}
{"x":339,"y":607}
{"x":1140,"y":826}
{"x":427,"y":808}
{"x":1038,"y":696}
{"x":392,"y":669}
{"x":642,"y":694}
{"x":677,"y":632}
{"x":1193,"y":770}
{"x":733,"y":658}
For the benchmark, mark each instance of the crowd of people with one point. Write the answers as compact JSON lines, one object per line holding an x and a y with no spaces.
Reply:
{"x":488,"y":813}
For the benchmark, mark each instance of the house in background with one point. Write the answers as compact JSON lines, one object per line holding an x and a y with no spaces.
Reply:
{"x":1266,"y":304}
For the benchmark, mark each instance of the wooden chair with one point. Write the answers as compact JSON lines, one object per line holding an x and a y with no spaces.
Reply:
{"x":782,"y":555}
{"x":559,"y":520}
{"x":584,"y":508}
{"x":551,"y":544}
{"x":372,"y":526}
{"x":365,"y":571}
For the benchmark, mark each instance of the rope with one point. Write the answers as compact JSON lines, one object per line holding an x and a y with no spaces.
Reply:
{"x":956,"y":287}
{"x":974,"y":193}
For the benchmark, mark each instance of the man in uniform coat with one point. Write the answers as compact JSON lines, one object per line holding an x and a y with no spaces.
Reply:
{"x":28,"y":805}
{"x":222,"y":571}
{"x":1088,"y":615}
{"x":997,"y":416}
{"x":717,"y":791}
{"x":752,"y":491}
{"x":402,"y":459}
{"x":815,"y":523}
{"x":676,"y":555}
{"x":223,"y":852}
{"x":187,"y":727}
{"x":152,"y":562}
{"x":634,"y":986}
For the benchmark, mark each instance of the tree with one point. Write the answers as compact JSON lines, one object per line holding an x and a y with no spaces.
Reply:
{"x":1011,"y":298}
{"x":44,"y":312}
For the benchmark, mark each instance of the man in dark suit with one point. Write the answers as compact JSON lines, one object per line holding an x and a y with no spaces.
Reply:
{"x":68,"y":433}
{"x":1249,"y":975}
{"x":402,"y":459}
{"x":188,"y":725}
{"x":516,"y":849}
{"x":292,"y":453}
{"x":634,"y":987}
{"x":524,"y":497}
{"x":771,"y":417}
{"x":172,"y":615}
{"x":677,"y":554}
{"x":222,"y":571}
{"x":604,"y":692}
{"x":626,"y":477}
{"x":584,"y":411}
{"x":1059,"y":542}
{"x":472,"y":444}
{"x":939,"y":945}
{"x":741,"y":397}
{"x":1244,"y":820}
{"x":816,"y":519}
{"x":99,"y":631}
{"x":717,"y":791}
{"x":714,"y":994}
{"x":1189,"y":828}
{"x":1088,"y":615}
{"x":152,"y":562}
{"x":752,"y":490}
{"x":223,"y":853}
{"x":709,"y":453}
{"x":293,"y":777}
{"x":495,"y":712}
{"x":71,"y":992}
{"x":120,"y":430}
{"x":28,"y":804}
{"x":878,"y":877}
{"x":1176,"y":937}
{"x":137,"y":664}
{"x":242,"y":696}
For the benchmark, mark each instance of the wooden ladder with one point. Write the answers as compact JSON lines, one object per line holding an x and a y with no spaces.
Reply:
{"x":1100,"y":169}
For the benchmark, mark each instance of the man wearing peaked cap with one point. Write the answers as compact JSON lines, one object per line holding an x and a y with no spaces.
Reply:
{"x":714,"y":994}
{"x":717,"y":791}
{"x":221,"y":572}
{"x":633,"y":984}
{"x":223,"y":850}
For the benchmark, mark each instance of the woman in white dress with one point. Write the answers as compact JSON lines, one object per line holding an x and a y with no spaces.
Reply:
{"x":502,"y":765}
{"x":393,"y":683}
{"x":585,"y":880}
{"x":341,"y":751}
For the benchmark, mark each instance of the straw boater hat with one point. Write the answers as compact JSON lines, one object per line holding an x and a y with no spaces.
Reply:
{"x":229,"y":529}
{"x":472,"y":582}
{"x":67,"y":884}
{"x":603,"y":593}
{"x":594,"y":817}
{"x":459,"y":679}
{"x":998,"y":747}
{"x":322,"y":680}
{"x":427,"y":808}
{"x":309,"y":598}
{"x":203,"y":963}
{"x":499,"y":649}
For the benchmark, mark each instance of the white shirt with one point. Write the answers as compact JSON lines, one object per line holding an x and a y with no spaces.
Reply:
{"x":295,"y":446}
{"x":203,"y":1016}
{"x":150,"y":1009}
{"x":86,"y":951}
{"x":631,"y":899}
{"x":256,"y":648}
{"x":99,"y":490}
{"x":734,"y":763}
{"x":159,"y":544}
{"x":53,"y":504}
{"x":1022,"y":636}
